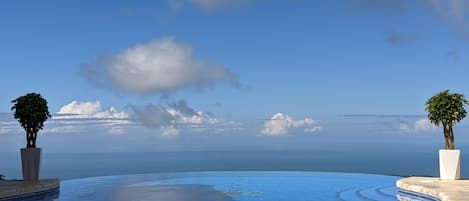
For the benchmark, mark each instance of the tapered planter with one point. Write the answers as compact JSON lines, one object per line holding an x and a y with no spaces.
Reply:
{"x":31,"y":161}
{"x":450,"y":162}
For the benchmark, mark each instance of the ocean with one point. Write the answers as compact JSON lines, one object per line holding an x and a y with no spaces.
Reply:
{"x":67,"y":166}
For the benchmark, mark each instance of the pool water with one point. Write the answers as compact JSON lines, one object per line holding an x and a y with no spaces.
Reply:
{"x":233,"y":186}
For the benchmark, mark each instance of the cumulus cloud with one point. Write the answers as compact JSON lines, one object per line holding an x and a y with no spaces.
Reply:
{"x":75,"y":113}
{"x":281,"y":123}
{"x":419,"y":126}
{"x":159,"y":66}
{"x":171,"y":118}
{"x":453,"y":12}
{"x":77,"y":109}
{"x":182,"y":107}
{"x":152,"y":116}
{"x":75,"y":117}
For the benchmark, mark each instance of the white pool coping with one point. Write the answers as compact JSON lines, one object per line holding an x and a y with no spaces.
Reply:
{"x":444,"y":190}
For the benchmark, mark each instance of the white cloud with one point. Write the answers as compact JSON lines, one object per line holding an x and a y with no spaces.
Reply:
{"x":419,"y":126}
{"x":198,"y":118}
{"x":73,"y":116}
{"x":170,"y":119}
{"x":85,"y":108}
{"x":173,"y":117}
{"x":152,"y":116}
{"x":159,"y":66}
{"x":77,"y":109}
{"x":158,"y":116}
{"x":280,"y":124}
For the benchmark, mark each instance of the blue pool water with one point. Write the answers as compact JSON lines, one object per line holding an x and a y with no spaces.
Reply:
{"x":233,"y":186}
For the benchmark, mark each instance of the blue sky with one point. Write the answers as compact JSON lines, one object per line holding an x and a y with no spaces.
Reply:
{"x":167,"y":67}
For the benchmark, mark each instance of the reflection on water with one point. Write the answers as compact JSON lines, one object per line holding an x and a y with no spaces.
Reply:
{"x":170,"y":193}
{"x":232,"y":186}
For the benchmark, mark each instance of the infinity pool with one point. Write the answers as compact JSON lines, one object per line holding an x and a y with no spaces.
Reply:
{"x":233,"y":186}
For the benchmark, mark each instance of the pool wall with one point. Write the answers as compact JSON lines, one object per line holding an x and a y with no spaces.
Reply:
{"x":405,"y":195}
{"x":18,"y":190}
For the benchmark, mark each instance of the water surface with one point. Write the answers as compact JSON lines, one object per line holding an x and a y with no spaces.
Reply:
{"x":232,"y":186}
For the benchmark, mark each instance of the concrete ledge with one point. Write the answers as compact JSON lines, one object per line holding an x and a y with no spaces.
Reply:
{"x":444,"y":190}
{"x":18,"y":189}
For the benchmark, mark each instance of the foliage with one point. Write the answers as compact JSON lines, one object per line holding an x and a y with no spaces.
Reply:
{"x":446,"y":109}
{"x":31,"y":111}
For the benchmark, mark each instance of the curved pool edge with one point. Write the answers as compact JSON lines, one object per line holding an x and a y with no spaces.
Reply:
{"x":434,"y":189}
{"x":227,"y":172}
{"x":17,"y":190}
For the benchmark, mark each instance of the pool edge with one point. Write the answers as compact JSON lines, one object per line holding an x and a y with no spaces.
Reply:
{"x":434,"y":188}
{"x":13,"y":190}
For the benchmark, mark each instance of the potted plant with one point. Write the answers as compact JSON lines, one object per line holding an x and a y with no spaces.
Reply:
{"x":31,"y":111}
{"x":447,"y":109}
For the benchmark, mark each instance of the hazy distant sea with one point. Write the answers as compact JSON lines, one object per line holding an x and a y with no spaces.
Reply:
{"x":71,"y":166}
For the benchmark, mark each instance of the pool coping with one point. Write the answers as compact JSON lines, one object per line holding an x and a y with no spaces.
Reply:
{"x":433,"y":189}
{"x":18,"y":189}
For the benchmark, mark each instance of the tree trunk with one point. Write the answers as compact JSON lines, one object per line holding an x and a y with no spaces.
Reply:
{"x":447,"y":137}
{"x":34,"y":139}
{"x":28,"y":139}
{"x":31,"y":138}
{"x":451,"y":137}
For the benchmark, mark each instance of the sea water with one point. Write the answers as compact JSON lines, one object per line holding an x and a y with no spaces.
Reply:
{"x":80,"y":165}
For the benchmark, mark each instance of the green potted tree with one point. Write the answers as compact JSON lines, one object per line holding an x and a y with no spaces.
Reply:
{"x":31,"y":111}
{"x":447,"y":109}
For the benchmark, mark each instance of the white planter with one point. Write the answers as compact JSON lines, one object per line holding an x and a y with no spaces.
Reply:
{"x":450,"y":161}
{"x":31,"y":160}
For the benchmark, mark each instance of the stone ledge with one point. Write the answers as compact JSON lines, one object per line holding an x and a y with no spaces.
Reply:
{"x":11,"y":189}
{"x":444,"y":190}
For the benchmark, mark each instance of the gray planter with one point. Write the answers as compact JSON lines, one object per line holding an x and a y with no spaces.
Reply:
{"x":31,"y":161}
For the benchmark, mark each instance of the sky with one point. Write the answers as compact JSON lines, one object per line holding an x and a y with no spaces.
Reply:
{"x":232,"y":74}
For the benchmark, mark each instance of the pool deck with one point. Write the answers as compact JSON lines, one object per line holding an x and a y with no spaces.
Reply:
{"x":11,"y":189}
{"x":444,"y":190}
